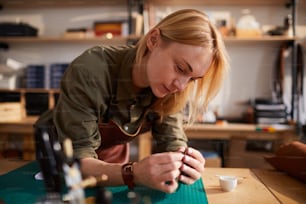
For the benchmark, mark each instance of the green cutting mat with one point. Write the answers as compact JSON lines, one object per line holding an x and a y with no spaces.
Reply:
{"x":19,"y":186}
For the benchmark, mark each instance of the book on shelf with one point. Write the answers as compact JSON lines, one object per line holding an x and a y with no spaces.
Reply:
{"x":267,"y":111}
{"x":272,"y":114}
{"x":44,"y":76}
{"x":35,"y":76}
{"x":271,"y":117}
{"x":56,"y":73}
{"x":270,"y":107}
{"x":270,"y":120}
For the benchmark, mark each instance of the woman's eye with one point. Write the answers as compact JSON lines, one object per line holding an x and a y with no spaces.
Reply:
{"x":194,"y":78}
{"x":181,"y":70}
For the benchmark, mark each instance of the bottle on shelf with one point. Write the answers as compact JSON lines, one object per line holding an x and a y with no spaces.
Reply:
{"x":288,"y":26}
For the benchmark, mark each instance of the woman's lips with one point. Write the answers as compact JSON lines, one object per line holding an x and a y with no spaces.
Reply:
{"x":169,"y":90}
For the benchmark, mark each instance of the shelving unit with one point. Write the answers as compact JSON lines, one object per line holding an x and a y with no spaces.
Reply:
{"x":150,"y":5}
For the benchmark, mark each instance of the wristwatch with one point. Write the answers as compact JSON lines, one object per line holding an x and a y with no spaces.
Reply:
{"x":128,"y":175}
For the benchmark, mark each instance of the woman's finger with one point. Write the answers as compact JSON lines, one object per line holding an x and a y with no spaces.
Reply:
{"x":194,"y":163}
{"x":195,"y":154}
{"x":190,"y":172}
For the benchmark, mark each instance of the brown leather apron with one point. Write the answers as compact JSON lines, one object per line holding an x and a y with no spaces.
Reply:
{"x":115,"y":142}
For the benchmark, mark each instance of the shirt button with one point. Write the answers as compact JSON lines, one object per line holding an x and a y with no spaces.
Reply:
{"x":126,"y":127}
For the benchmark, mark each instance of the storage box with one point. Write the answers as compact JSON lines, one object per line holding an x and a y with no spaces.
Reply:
{"x":8,"y":82}
{"x":11,"y":111}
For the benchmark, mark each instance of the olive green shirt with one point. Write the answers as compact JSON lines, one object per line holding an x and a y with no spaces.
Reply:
{"x":98,"y":86}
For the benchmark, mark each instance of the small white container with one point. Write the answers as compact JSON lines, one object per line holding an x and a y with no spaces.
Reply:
{"x":228,"y":183}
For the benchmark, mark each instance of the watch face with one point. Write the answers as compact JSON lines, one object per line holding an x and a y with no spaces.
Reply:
{"x":127,"y":174}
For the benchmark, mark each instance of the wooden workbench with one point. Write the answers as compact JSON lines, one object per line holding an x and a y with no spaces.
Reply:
{"x":196,"y":131}
{"x":230,"y":131}
{"x":237,"y":130}
{"x":255,"y":186}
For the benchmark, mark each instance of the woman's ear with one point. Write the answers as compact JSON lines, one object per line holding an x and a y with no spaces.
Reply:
{"x":153,"y":38}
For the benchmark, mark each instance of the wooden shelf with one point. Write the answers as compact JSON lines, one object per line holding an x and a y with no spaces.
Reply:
{"x":259,"y":39}
{"x":116,"y":40}
{"x":123,"y":40}
{"x":30,"y":90}
{"x":26,"y":4}
{"x":219,"y":2}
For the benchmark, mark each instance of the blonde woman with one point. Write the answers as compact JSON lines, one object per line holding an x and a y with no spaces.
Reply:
{"x":109,"y":95}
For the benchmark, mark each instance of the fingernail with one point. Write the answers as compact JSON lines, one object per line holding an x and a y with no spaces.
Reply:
{"x":190,"y":150}
{"x":186,"y":158}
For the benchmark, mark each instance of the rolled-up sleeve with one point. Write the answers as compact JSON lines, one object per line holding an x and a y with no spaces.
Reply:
{"x":169,"y":135}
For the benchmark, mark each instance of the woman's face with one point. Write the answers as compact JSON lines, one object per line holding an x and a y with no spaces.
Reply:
{"x":171,"y":66}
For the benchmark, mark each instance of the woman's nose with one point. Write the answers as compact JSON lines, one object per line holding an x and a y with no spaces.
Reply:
{"x":181,"y":83}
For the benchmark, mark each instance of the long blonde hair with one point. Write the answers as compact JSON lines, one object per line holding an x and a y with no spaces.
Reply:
{"x":192,"y":27}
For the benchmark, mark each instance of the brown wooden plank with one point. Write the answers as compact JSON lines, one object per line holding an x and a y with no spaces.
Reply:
{"x":287,"y":189}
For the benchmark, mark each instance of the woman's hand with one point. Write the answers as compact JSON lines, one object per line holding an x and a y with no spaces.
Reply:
{"x":159,"y":171}
{"x":193,"y":165}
